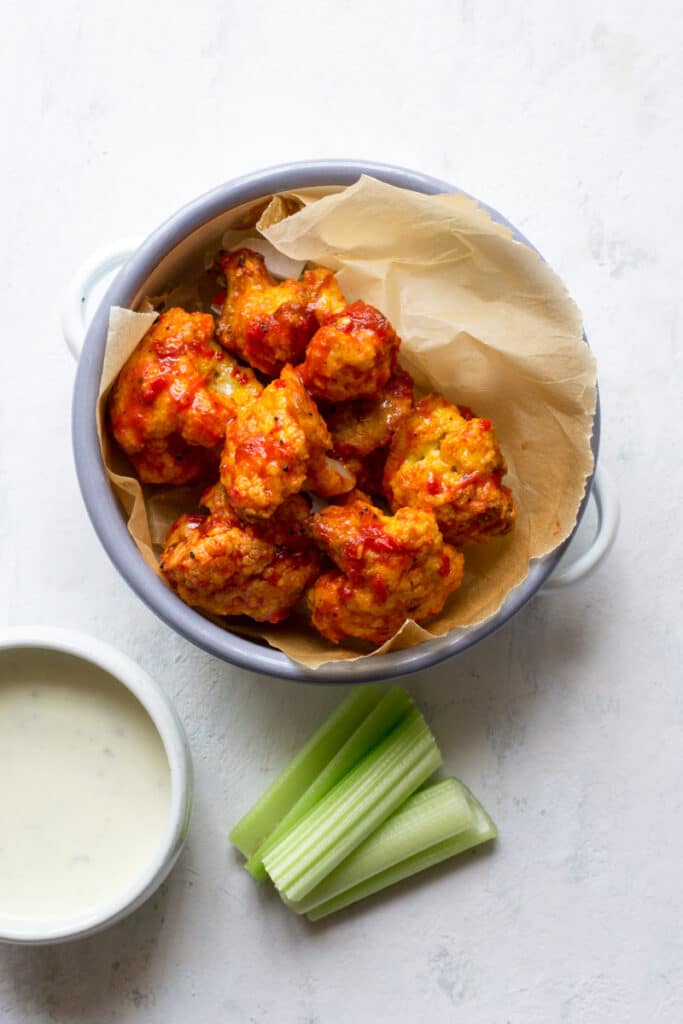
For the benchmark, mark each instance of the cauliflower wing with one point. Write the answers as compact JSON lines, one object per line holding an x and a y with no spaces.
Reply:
{"x":367,"y":470}
{"x":388,"y":569}
{"x":353,"y":355}
{"x":361,"y":431}
{"x":270,"y":445}
{"x":445,"y":459}
{"x":361,"y":426}
{"x":226,"y":567}
{"x":330,"y":477}
{"x":267,"y":323}
{"x":173,"y":397}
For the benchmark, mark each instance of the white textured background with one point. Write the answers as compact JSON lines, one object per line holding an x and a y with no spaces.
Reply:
{"x":568,"y":723}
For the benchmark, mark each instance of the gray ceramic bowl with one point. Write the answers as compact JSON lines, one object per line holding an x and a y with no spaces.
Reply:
{"x":161,"y":255}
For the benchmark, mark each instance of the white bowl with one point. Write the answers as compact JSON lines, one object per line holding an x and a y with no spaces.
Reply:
{"x":164,"y":717}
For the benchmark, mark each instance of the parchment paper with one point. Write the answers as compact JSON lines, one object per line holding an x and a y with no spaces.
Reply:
{"x":483,"y":320}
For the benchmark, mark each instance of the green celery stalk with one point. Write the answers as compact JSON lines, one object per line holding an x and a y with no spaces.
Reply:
{"x":480,"y":831}
{"x":435,"y":813}
{"x":303,"y":769}
{"x":354,"y":808}
{"x":384,"y":716}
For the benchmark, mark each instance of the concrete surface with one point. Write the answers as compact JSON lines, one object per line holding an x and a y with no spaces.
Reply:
{"x":568,"y":722}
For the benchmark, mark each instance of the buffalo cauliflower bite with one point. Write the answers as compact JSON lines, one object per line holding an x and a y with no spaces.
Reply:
{"x":172,"y":399}
{"x":267,"y":323}
{"x":270,"y":445}
{"x":388,"y":569}
{"x":329,"y":477}
{"x":361,"y":426}
{"x":226,"y":567}
{"x":339,"y":474}
{"x":444,"y":459}
{"x":353,"y":355}
{"x":361,"y":431}
{"x":368,"y":471}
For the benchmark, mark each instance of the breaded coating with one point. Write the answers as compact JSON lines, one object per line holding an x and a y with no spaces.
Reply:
{"x":389,"y":569}
{"x":353,"y":355}
{"x":227,"y":567}
{"x":270,"y":324}
{"x":174,"y":396}
{"x":361,"y":426}
{"x":269,"y":446}
{"x":442,"y":460}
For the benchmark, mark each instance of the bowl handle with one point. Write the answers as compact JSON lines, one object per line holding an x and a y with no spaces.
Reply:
{"x":87,"y":287}
{"x":604,"y":494}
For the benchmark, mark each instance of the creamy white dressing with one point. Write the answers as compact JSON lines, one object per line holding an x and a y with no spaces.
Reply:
{"x":85,"y":787}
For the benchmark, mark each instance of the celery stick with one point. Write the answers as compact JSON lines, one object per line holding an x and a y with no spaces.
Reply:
{"x":436,"y":812}
{"x":481,"y":831}
{"x":390,"y":710}
{"x":354,"y":808}
{"x":303,"y":769}
{"x":365,"y":786}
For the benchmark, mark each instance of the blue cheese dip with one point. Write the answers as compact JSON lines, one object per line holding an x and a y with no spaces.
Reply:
{"x":85,"y":787}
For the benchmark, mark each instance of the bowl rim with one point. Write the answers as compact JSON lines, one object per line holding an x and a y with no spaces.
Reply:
{"x":101,"y":503}
{"x":166,"y":721}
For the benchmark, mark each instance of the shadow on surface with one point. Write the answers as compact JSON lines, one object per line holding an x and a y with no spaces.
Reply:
{"x":489,"y":695}
{"x":417,"y":883}
{"x":483,"y":704}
